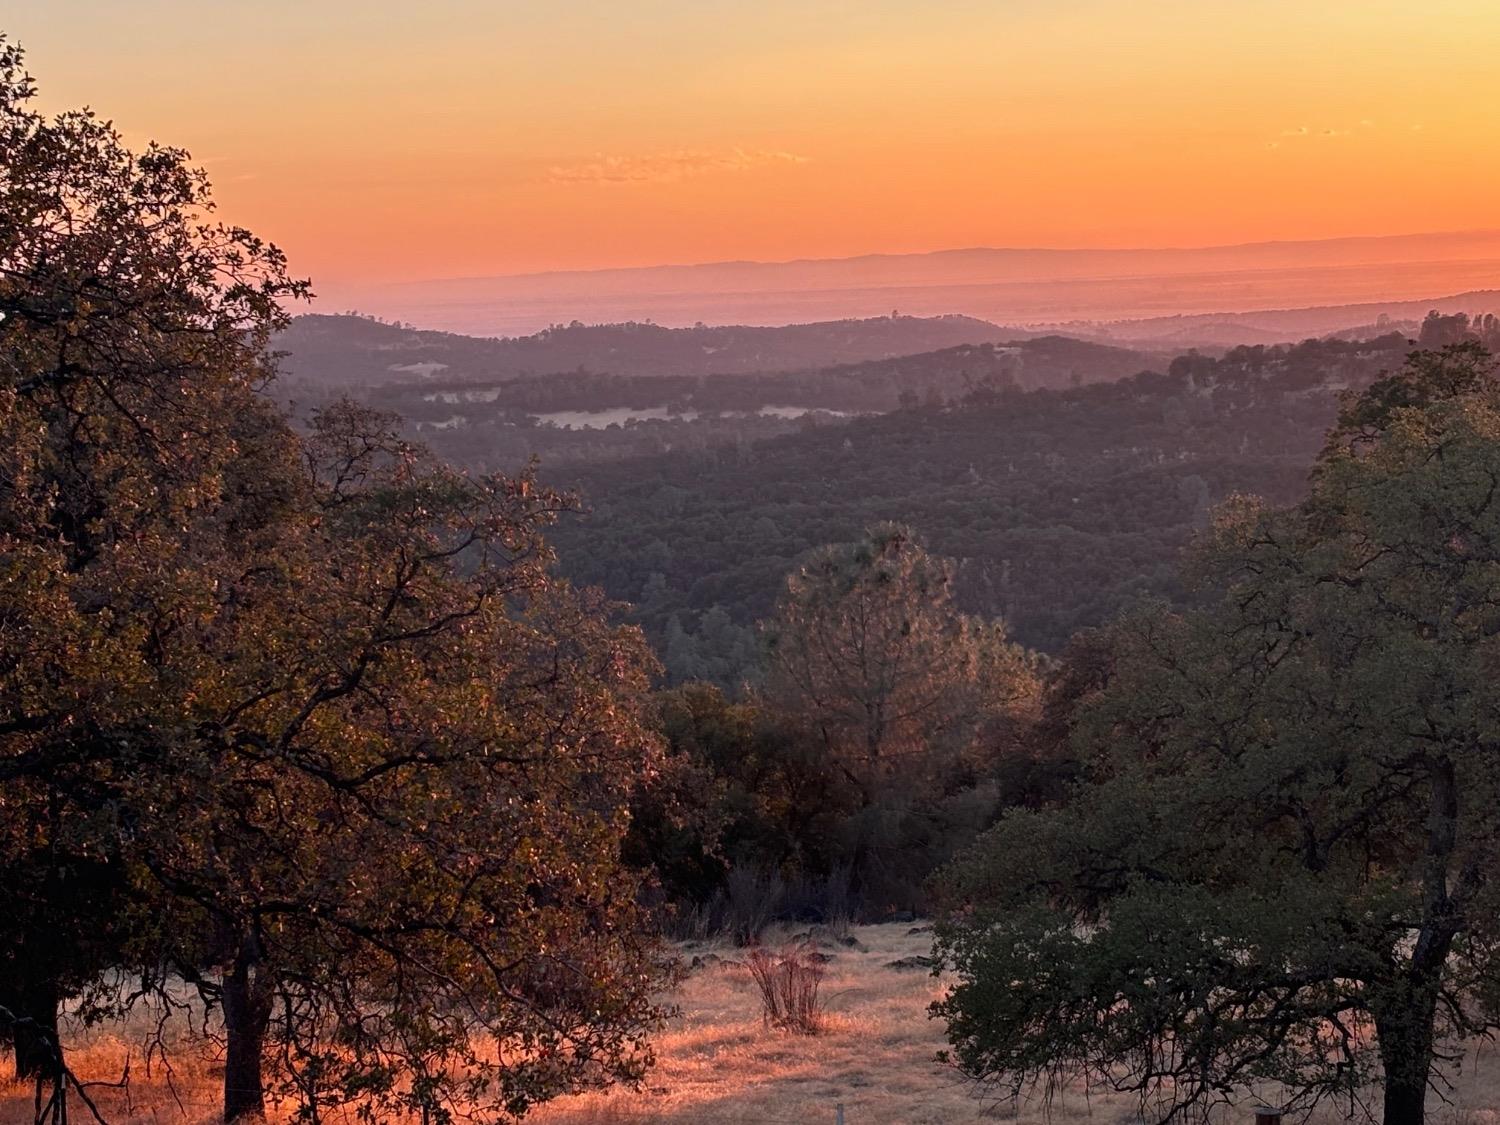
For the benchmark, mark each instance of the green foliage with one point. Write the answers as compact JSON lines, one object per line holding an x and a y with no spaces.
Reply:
{"x":1276,"y":868}
{"x":866,"y":761}
{"x":718,"y":651}
{"x":1059,"y":507}
{"x":907,"y":699}
{"x":743,"y":790}
{"x":867,"y":650}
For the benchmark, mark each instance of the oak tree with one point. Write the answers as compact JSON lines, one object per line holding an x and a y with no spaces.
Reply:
{"x":301,"y":717}
{"x":1276,"y":873}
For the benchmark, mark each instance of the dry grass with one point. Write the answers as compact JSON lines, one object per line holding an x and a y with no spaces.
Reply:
{"x":720,"y":1065}
{"x":184,"y":1088}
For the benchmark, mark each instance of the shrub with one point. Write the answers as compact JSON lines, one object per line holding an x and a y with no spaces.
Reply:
{"x":788,"y":985}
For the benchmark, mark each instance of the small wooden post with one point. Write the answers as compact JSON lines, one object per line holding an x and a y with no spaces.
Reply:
{"x":840,"y":1109}
{"x":1265,"y":1115}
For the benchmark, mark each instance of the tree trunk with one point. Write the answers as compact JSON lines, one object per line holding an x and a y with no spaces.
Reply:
{"x":247,"y":1011}
{"x":1405,"y":1100}
{"x":1406,"y":1010}
{"x":1405,"y":1034}
{"x":34,"y":1039}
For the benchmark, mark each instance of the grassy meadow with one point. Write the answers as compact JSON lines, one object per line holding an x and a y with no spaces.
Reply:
{"x":718,"y":1063}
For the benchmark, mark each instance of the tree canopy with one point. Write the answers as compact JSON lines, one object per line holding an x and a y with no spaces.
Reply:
{"x":1275,"y":872}
{"x":298,"y":716}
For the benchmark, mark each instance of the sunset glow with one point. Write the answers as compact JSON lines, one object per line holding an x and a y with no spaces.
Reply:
{"x":860,"y":562}
{"x":455,"y":138}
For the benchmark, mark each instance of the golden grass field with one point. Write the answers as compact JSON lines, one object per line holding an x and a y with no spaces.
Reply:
{"x":719,"y":1064}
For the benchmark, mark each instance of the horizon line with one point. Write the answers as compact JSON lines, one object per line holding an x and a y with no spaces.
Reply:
{"x":525,"y":275}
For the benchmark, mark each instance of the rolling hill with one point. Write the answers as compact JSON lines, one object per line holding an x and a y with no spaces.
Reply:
{"x":358,"y":352}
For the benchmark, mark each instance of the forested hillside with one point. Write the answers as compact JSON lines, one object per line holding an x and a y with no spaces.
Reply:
{"x":359,"y":352}
{"x":585,"y":415}
{"x":1061,"y":506}
{"x":1063,"y":491}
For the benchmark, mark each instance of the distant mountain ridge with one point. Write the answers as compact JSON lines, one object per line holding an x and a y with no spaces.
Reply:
{"x":1013,"y":286}
{"x":988,"y":264}
{"x":1282,"y":325}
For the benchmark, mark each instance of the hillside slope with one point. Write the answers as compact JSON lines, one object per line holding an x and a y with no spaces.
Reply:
{"x":359,"y":352}
{"x":1061,"y":505}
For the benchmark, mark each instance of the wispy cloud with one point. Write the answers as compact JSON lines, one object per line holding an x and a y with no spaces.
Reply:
{"x":667,"y":167}
{"x":1303,"y":133}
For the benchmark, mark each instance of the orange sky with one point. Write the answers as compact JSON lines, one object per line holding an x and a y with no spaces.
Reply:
{"x":381,"y":141}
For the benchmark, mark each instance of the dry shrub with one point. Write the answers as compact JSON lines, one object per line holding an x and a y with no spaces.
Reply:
{"x":788,"y":984}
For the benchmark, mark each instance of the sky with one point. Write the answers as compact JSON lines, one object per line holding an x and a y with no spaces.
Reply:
{"x":379,"y":141}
